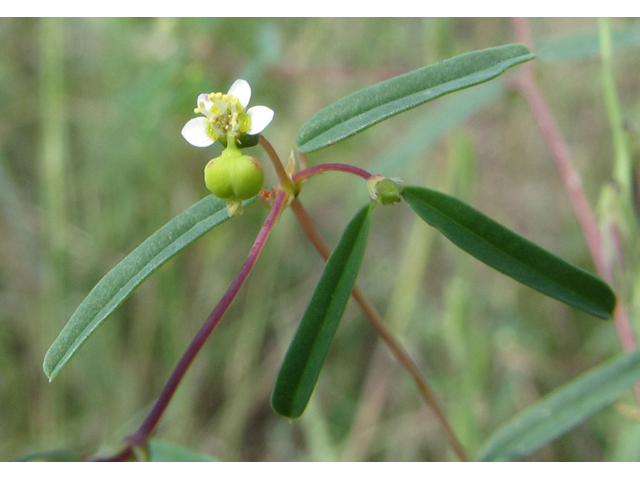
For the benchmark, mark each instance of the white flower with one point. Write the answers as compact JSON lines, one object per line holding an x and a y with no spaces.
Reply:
{"x":224,"y":115}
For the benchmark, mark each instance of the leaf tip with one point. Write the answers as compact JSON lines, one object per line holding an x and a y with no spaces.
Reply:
{"x":283,"y":401}
{"x":50,"y":367}
{"x":286,"y":414}
{"x":49,"y":374}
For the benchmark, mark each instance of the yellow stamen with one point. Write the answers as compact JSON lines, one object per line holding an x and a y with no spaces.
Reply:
{"x":244,"y":121}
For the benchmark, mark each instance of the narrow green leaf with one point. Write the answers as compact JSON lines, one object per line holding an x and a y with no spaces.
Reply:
{"x":116,"y":286}
{"x":509,"y":253}
{"x":563,"y":409}
{"x":164,"y":451}
{"x":371,"y":105}
{"x":306,"y":354}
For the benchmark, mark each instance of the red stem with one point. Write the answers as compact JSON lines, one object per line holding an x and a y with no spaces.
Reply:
{"x":143,"y":433}
{"x":283,"y":176}
{"x":570,"y":177}
{"x":573,"y":185}
{"x":330,"y":167}
{"x":378,"y":324}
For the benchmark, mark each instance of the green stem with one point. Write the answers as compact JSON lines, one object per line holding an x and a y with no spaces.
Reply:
{"x":53,"y":192}
{"x":53,"y":153}
{"x":620,"y":215}
{"x":622,"y":164}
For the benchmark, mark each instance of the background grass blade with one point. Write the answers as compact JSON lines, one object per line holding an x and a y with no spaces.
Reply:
{"x":371,"y":105}
{"x":563,"y":409}
{"x":308,"y":349}
{"x":511,"y":254}
{"x":449,"y":114}
{"x":116,"y":286}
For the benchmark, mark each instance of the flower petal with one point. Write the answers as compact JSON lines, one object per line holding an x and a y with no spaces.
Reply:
{"x":195,"y":132}
{"x":203,"y":98}
{"x":242,"y":91}
{"x":261,"y":116}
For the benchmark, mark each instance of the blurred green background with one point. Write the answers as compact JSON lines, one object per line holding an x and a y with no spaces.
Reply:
{"x":92,"y":162}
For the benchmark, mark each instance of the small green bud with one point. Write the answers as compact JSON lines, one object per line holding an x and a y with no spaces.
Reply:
{"x":234,"y":175}
{"x":384,"y":190}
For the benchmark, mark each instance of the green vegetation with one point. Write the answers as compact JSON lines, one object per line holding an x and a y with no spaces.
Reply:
{"x":92,"y":163}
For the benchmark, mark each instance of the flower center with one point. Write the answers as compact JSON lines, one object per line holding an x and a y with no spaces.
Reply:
{"x":224,"y":116}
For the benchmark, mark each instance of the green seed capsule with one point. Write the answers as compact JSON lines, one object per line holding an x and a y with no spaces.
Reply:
{"x":247,"y":178}
{"x":217,"y":177}
{"x":234,"y":175}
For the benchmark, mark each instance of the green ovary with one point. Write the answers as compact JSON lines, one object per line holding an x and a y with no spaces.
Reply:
{"x":234,"y":176}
